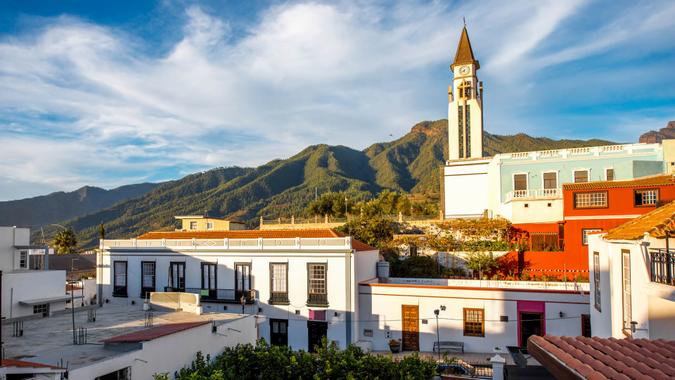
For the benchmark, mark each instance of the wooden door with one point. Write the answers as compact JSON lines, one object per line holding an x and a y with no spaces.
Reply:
{"x":411,"y":329}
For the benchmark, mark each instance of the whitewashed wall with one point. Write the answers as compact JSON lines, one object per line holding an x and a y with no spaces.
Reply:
{"x":29,"y":285}
{"x":173,"y":352}
{"x":381,"y":311}
{"x":466,"y":188}
{"x":342,"y":278}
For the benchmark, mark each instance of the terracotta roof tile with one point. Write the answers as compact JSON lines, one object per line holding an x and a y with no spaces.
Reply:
{"x":598,"y":358}
{"x":25,"y":364}
{"x":655,"y":223}
{"x":154,"y":332}
{"x":255,"y":234}
{"x":657,"y":180}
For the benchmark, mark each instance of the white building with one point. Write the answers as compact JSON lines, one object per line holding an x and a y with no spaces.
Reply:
{"x":632,"y":273}
{"x":480,"y":315}
{"x":122,"y":342}
{"x":523,"y":187}
{"x":302,"y":282}
{"x":27,"y":292}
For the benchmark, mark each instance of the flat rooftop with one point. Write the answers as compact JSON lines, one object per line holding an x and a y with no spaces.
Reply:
{"x":50,"y":340}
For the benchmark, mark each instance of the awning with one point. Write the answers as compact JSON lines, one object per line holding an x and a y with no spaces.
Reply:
{"x":39,"y":301}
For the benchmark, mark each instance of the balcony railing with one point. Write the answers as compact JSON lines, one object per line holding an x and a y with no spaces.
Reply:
{"x":278,"y":298}
{"x":534,"y":194}
{"x":219,"y":295}
{"x":319,"y":300}
{"x":662,"y":266}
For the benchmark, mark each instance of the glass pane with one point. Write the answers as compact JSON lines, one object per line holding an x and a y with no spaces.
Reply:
{"x":520,"y":182}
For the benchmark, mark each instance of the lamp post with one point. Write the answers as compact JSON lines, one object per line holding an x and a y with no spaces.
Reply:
{"x":243,"y":302}
{"x":438,"y":336}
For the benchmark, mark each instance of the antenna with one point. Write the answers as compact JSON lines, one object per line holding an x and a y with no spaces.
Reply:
{"x":464,"y":19}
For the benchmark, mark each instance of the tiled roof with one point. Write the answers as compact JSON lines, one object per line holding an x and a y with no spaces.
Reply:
{"x":598,"y":358}
{"x":25,"y":364}
{"x":255,"y":234}
{"x":154,"y":332}
{"x":464,"y":52}
{"x":657,"y":180}
{"x":655,"y":222}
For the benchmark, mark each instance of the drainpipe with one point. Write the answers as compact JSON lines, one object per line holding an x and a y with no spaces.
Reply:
{"x":349,"y":259}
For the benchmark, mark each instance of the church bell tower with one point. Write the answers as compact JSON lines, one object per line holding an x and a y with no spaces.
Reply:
{"x":465,"y":104}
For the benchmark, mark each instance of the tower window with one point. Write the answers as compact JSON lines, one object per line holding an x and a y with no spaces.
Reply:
{"x":460,"y":128}
{"x":468,"y":130}
{"x":464,"y":90}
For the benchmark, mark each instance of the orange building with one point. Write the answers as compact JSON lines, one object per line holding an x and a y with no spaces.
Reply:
{"x":588,"y":207}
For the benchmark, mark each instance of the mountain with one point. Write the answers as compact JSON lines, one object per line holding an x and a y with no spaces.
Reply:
{"x":59,"y":206}
{"x":657,"y":136}
{"x":283,"y":187}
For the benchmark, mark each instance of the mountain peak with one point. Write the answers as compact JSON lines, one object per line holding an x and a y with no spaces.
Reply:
{"x":652,"y":137}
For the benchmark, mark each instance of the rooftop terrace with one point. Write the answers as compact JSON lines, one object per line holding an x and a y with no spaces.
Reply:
{"x":50,"y":340}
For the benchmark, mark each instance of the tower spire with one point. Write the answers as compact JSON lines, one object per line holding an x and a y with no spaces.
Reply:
{"x":464,"y":54}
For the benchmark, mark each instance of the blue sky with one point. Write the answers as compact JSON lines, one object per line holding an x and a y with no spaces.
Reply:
{"x":111,"y":93}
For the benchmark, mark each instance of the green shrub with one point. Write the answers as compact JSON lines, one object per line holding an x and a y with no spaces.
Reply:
{"x":262,"y":361}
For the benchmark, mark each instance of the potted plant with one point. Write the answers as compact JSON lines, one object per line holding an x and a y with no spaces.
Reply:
{"x":395,"y":345}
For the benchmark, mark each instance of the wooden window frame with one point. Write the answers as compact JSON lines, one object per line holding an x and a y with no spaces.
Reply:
{"x":177,"y":264}
{"x":626,"y":304}
{"x":588,"y":175}
{"x":613,"y":174}
{"x":597,"y":293}
{"x":215,"y":275}
{"x":312,"y":297}
{"x":527,"y":181}
{"x":586,"y":319}
{"x":543,"y":181}
{"x":583,"y":234}
{"x":658,"y":197}
{"x":279,"y":298}
{"x":117,"y":293}
{"x":574,"y":200}
{"x":154,"y":277}
{"x":465,"y":311}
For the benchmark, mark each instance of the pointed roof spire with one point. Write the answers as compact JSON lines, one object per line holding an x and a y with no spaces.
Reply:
{"x":464,"y":54}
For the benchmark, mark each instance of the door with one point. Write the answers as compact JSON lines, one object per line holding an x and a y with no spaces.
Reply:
{"x":147,"y":278}
{"x":209,"y":281}
{"x":279,"y":332}
{"x":242,"y":280}
{"x":411,"y":330}
{"x":530,"y":324}
{"x":315,"y":332}
{"x":177,"y":277}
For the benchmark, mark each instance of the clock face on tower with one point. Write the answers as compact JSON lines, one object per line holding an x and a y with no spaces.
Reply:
{"x":464,"y":70}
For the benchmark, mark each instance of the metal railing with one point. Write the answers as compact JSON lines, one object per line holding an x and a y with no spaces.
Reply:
{"x":317,"y":299}
{"x":534,"y":194}
{"x":662,"y":266}
{"x":278,"y":298}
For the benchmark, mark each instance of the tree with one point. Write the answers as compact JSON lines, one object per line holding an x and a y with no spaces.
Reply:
{"x":481,"y":262}
{"x":375,"y":231}
{"x":419,"y":267}
{"x":332,"y":204}
{"x":65,"y":242}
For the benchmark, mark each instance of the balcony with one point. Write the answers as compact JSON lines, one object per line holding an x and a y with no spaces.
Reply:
{"x":317,"y":300}
{"x":662,"y":266}
{"x":278,"y":298}
{"x":555,"y":193}
{"x":219,"y":295}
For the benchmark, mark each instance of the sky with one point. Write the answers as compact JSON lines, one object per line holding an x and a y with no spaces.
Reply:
{"x":113,"y":93}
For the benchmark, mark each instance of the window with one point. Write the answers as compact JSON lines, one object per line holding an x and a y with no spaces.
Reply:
{"x":460,"y":126}
{"x":550,"y":180}
{"x":519,"y":185}
{"x":474,"y":320}
{"x":42,"y":309}
{"x":316,"y":284}
{"x":467,"y":127}
{"x":176,"y":277}
{"x":23,"y":259}
{"x":596,"y":280}
{"x":646,"y":197}
{"x":120,"y":279}
{"x":609,"y":174}
{"x":544,"y":241}
{"x":597,"y":199}
{"x":626,"y":289}
{"x":147,"y":278}
{"x":209,"y":225}
{"x":121,"y":374}
{"x":193,"y":225}
{"x":586,"y":325}
{"x":580,"y":176}
{"x":585,"y":232}
{"x":279,"y":283}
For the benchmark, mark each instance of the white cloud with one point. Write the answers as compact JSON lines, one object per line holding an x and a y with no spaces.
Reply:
{"x":110,"y":111}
